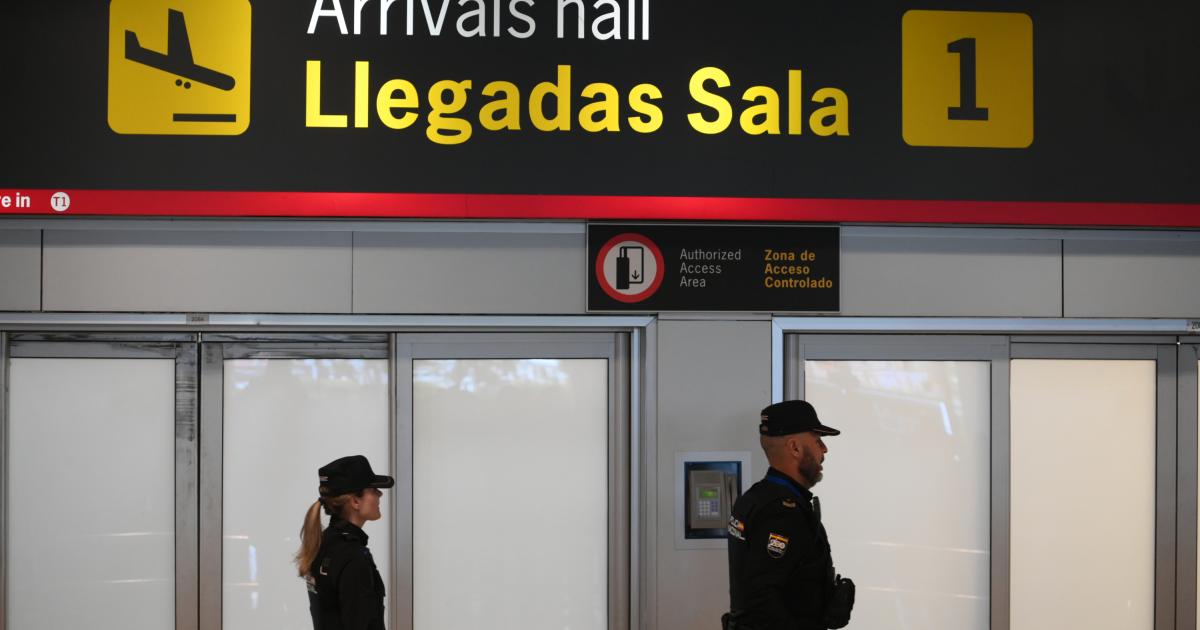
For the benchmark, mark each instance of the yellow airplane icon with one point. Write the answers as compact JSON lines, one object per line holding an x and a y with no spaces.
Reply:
{"x":154,"y":92}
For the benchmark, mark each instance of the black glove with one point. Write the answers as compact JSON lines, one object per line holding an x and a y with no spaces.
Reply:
{"x":837,"y":611}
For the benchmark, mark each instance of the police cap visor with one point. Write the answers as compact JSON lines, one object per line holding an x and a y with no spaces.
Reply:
{"x":792,"y":416}
{"x":349,"y":475}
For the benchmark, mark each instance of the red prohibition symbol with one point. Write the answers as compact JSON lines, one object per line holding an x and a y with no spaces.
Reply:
{"x":630,"y":268}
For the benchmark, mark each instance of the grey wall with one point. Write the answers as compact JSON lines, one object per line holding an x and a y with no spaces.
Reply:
{"x":905,"y":272}
{"x":1132,"y":278}
{"x":540,"y":268}
{"x":199,"y":270}
{"x":20,"y":270}
{"x":471,"y":272}
{"x":713,"y":378}
{"x":457,"y":269}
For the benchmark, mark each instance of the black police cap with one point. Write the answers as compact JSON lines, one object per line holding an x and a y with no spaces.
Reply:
{"x":792,"y":416}
{"x":350,"y":474}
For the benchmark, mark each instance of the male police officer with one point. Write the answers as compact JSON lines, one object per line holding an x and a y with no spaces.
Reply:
{"x":780,"y":565}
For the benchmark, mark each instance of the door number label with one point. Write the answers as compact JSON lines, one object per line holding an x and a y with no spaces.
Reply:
{"x":967,"y":79}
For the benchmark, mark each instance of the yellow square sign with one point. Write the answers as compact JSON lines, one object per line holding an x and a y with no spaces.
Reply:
{"x":967,"y":79}
{"x":180,"y":67}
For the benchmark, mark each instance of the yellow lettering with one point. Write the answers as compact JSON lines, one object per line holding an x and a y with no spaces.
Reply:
{"x":839,"y":111}
{"x":386,"y":101}
{"x":651,"y":118}
{"x":718,"y":104}
{"x":795,"y":104}
{"x":561,"y":91}
{"x":443,"y":130}
{"x":768,"y":109}
{"x":608,"y":107}
{"x":362,"y":86}
{"x":312,"y":100}
{"x":509,"y":106}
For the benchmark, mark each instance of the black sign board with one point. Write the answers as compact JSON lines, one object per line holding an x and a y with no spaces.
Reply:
{"x":768,"y":268}
{"x":1072,"y":102}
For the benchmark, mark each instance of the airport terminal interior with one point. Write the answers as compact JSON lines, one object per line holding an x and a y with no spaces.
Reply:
{"x":547,"y":279}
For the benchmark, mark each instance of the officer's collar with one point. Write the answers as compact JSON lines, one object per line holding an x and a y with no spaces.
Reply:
{"x":780,"y":479}
{"x":348,"y":529}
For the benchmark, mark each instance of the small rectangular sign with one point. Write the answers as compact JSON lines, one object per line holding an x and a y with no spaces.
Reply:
{"x":661,"y":267}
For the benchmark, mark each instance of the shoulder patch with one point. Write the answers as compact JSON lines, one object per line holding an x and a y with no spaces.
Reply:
{"x":737,"y":529}
{"x":776,"y":545}
{"x":789,"y":503}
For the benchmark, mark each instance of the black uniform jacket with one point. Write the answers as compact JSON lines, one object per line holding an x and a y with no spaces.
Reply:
{"x":780,"y":565}
{"x":345,"y":591}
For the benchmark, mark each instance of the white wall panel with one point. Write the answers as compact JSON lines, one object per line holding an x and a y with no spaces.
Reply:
{"x":469,"y":272}
{"x":1083,"y":487}
{"x":91,"y":494}
{"x":1136,"y":278}
{"x":714,"y":377}
{"x":200,"y":271}
{"x":891,"y":273}
{"x":20,"y":270}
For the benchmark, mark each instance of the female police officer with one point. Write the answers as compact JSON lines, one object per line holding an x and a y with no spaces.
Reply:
{"x":345,"y":591}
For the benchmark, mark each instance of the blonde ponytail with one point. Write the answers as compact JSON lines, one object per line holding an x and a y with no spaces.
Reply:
{"x":310,"y":538}
{"x":310,"y":532}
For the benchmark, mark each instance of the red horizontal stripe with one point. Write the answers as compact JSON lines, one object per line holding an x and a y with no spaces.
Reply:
{"x":177,"y":203}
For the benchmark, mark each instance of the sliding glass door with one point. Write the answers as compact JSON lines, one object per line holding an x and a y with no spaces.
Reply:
{"x":1009,"y":482}
{"x":100,"y":482}
{"x":519,"y":481}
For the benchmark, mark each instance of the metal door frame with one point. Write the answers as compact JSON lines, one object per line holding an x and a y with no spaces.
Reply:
{"x":617,"y":349}
{"x":1186,"y":528}
{"x":1163,"y":351}
{"x":182,"y":348}
{"x":1175,"y":356}
{"x":627,"y":588}
{"x":201,"y":582}
{"x":217,"y":348}
{"x":198,"y":572}
{"x":917,"y":347}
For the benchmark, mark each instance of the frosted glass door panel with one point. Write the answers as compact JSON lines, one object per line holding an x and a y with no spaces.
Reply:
{"x":1082,"y":494}
{"x":510,"y":494}
{"x":905,"y":495}
{"x":284,"y":418}
{"x":91,"y":494}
